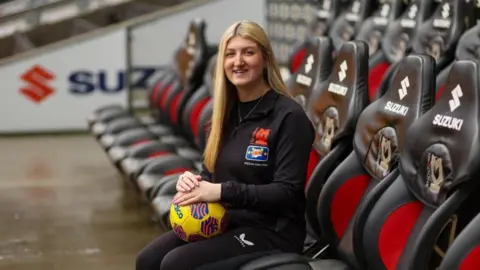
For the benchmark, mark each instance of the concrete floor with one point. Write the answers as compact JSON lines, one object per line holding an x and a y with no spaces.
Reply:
{"x":64,"y":206}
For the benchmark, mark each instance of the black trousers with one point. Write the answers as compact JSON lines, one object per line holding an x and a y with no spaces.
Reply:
{"x":227,"y":251}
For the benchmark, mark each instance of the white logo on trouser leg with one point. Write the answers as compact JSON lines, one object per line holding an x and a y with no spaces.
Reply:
{"x":243,"y":241}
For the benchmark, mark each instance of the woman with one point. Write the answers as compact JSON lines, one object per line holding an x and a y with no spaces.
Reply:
{"x":255,"y":162}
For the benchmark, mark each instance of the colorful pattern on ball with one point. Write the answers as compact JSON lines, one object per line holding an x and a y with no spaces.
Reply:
{"x":195,"y":238}
{"x":178,"y":230}
{"x":210,"y":226}
{"x":198,"y":221}
{"x":199,"y":210}
{"x":223,"y":223}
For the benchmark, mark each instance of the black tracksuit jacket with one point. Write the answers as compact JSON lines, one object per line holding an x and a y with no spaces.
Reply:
{"x":262,"y":166}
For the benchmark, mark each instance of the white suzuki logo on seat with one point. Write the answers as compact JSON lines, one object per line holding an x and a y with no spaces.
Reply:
{"x":412,"y":12}
{"x":456,"y":95}
{"x":385,"y":10}
{"x":243,"y":241}
{"x":308,"y":65}
{"x":402,"y":92}
{"x":327,"y":4}
{"x":342,"y":73}
{"x":445,"y":11}
{"x":356,"y":7}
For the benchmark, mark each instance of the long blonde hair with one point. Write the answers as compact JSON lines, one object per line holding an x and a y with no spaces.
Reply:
{"x":223,"y":90}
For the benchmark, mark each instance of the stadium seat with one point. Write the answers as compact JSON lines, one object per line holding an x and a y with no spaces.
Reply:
{"x":315,"y":69}
{"x":333,"y":108}
{"x":347,"y":25}
{"x":176,"y":83}
{"x":371,"y":166}
{"x":443,"y":40}
{"x":466,"y":50}
{"x":373,"y":28}
{"x":328,"y":10}
{"x":172,"y":72}
{"x":395,"y":44}
{"x":115,"y":121}
{"x":100,"y":118}
{"x":340,"y":20}
{"x":397,"y":224}
{"x":172,"y":102}
{"x":438,"y":169}
{"x":137,"y":158}
{"x":348,"y":159}
{"x":464,"y":253}
{"x":174,"y":87}
{"x":439,"y":35}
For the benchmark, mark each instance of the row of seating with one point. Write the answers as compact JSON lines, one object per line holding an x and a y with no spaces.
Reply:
{"x":344,"y":187}
{"x":151,"y":152}
{"x":385,"y":202}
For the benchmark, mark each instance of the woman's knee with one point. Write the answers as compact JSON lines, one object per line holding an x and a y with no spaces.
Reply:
{"x":150,"y":257}
{"x":176,"y":260}
{"x":147,"y":260}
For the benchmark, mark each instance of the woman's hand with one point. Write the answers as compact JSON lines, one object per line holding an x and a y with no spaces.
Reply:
{"x":205,"y":192}
{"x":187,"y":182}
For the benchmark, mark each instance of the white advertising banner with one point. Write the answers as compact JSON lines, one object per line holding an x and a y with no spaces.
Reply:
{"x":57,"y":89}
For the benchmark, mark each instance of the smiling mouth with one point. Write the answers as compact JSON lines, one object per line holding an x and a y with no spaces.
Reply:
{"x":240,"y":71}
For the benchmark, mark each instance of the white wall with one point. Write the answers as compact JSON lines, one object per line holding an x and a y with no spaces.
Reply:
{"x":165,"y":35}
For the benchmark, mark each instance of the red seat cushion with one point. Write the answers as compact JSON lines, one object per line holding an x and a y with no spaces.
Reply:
{"x":375,"y":77}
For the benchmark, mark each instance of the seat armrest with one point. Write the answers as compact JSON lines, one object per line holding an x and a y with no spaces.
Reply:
{"x":271,"y":261}
{"x":329,"y":265}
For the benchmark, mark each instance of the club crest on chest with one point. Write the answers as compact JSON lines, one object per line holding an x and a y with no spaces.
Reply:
{"x":258,"y":151}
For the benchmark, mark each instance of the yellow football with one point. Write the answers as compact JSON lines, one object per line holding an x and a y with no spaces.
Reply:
{"x":198,"y":221}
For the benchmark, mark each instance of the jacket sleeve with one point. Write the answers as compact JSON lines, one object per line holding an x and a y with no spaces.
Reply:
{"x":292,"y":152}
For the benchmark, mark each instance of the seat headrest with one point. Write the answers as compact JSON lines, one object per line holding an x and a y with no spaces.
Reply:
{"x":443,"y":151}
{"x":193,"y":50}
{"x":208,"y":78}
{"x":381,"y":127}
{"x":468,"y":46}
{"x":316,"y":66}
{"x":438,"y":36}
{"x":399,"y":34}
{"x":372,"y":30}
{"x":327,"y":11}
{"x":349,"y":22}
{"x":335,"y":104}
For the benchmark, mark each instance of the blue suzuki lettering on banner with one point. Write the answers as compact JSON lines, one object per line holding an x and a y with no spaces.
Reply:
{"x":88,"y":81}
{"x":257,"y":153}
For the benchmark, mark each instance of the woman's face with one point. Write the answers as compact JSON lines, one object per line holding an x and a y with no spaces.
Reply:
{"x":244,"y":63}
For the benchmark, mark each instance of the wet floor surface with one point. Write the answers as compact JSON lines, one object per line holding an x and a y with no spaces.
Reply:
{"x":64,"y":206}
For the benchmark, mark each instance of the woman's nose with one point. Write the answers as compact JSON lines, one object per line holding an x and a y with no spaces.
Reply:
{"x":238,"y":60}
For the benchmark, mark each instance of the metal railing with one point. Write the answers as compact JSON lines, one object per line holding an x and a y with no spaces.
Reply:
{"x":29,"y":14}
